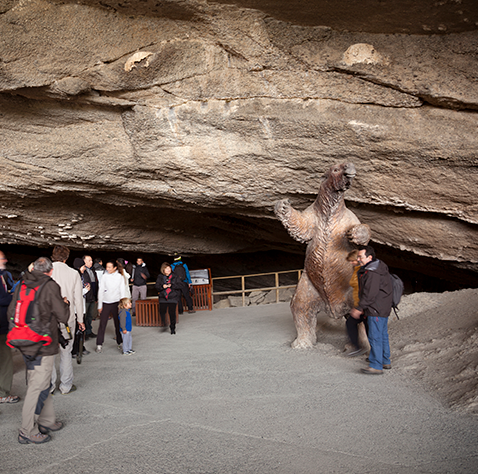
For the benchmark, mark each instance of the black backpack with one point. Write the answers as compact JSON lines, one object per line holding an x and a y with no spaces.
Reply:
{"x":180,"y":271}
{"x":397,"y":292}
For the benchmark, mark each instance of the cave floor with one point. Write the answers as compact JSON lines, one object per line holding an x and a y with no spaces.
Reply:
{"x":227,"y":394}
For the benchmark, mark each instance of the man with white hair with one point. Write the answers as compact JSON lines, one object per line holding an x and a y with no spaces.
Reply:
{"x":38,"y":415}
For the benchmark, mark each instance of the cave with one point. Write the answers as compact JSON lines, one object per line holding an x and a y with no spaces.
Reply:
{"x":160,"y":127}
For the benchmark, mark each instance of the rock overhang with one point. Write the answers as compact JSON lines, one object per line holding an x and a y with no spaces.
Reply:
{"x":167,"y":130}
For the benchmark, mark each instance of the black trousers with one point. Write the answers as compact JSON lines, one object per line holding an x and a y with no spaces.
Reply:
{"x":109,"y":309}
{"x":352,"y":329}
{"x":171,"y":309}
{"x":187,"y":297}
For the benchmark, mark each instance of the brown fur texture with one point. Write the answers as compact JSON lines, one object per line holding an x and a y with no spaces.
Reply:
{"x":329,"y":228}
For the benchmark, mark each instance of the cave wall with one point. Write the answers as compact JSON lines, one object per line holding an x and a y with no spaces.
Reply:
{"x":175,"y":126}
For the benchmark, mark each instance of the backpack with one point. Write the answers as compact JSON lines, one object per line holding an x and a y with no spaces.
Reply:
{"x":180,"y":271}
{"x":26,"y":327}
{"x":397,"y":292}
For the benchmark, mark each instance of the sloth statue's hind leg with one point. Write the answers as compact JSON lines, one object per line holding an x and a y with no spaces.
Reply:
{"x":305,"y":305}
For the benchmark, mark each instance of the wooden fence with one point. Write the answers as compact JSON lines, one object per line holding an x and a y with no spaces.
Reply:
{"x":245,"y":290}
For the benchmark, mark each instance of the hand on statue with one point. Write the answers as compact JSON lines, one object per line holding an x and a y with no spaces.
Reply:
{"x":355,"y":313}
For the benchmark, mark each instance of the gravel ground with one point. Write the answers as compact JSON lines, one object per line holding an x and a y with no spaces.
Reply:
{"x":227,"y":394}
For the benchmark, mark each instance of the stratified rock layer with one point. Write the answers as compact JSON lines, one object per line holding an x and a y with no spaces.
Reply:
{"x":162,"y":134}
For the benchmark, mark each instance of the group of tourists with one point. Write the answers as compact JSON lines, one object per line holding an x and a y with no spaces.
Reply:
{"x":52,"y":307}
{"x":51,"y":298}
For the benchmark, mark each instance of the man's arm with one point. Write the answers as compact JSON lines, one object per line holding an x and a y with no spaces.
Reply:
{"x":188,"y":276}
{"x":78,"y":301}
{"x":58,"y":307}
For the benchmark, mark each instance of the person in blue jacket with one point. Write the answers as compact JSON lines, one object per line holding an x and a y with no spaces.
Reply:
{"x":6,"y":361}
{"x":182,"y":271}
{"x":126,"y":325}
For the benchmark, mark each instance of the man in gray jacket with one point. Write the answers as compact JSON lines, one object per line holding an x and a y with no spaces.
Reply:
{"x":71,"y":288}
{"x":38,"y":415}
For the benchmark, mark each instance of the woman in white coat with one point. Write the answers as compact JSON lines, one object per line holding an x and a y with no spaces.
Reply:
{"x":111,"y":290}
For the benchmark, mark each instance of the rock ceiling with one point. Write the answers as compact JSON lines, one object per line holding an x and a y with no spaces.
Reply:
{"x":163,"y":126}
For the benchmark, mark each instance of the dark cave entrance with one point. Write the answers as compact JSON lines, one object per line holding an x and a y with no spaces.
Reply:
{"x":420,"y":274}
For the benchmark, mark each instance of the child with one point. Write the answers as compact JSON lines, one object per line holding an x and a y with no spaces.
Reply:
{"x":126,"y":325}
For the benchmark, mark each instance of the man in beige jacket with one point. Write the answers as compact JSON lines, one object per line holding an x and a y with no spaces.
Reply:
{"x":71,"y":288}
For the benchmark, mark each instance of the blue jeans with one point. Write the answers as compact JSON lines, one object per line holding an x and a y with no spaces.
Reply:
{"x":378,"y":338}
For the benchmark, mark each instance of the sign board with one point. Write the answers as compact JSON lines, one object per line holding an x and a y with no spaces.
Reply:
{"x":199,"y":277}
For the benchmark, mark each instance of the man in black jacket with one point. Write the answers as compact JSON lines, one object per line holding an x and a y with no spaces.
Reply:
{"x":6,"y":361}
{"x":91,"y":298}
{"x":375,"y":295}
{"x":139,"y":277}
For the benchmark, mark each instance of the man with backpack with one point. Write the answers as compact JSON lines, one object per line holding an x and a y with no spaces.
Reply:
{"x":375,"y":302}
{"x":37,"y":301}
{"x":182,"y":271}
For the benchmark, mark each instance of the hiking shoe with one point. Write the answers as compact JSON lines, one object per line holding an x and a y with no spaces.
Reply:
{"x":56,"y":427}
{"x":72,"y":389}
{"x":9,"y":399}
{"x":39,"y":438}
{"x":387,"y":366}
{"x":371,"y":371}
{"x":99,"y":349}
{"x":191,"y":311}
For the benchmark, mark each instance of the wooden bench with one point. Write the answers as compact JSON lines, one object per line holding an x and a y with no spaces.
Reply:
{"x":147,"y":313}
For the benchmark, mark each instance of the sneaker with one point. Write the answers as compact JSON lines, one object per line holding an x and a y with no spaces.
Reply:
{"x":34,"y":439}
{"x":56,"y":427}
{"x":132,"y":351}
{"x":99,"y":349}
{"x":72,"y":389}
{"x":9,"y":399}
{"x":191,"y":311}
{"x":127,"y":353}
{"x":85,"y":352}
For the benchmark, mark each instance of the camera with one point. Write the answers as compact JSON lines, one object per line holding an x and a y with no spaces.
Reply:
{"x":63,"y":342}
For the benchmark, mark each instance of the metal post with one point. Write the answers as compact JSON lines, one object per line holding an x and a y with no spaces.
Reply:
{"x":277,"y":287}
{"x":243,"y":284}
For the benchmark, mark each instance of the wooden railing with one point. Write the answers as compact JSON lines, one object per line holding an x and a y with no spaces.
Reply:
{"x":245,"y":290}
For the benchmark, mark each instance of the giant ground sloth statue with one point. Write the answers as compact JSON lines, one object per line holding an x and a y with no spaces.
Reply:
{"x":330,"y":229}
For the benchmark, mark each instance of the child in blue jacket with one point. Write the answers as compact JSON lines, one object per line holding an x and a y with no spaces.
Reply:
{"x":126,"y":325}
